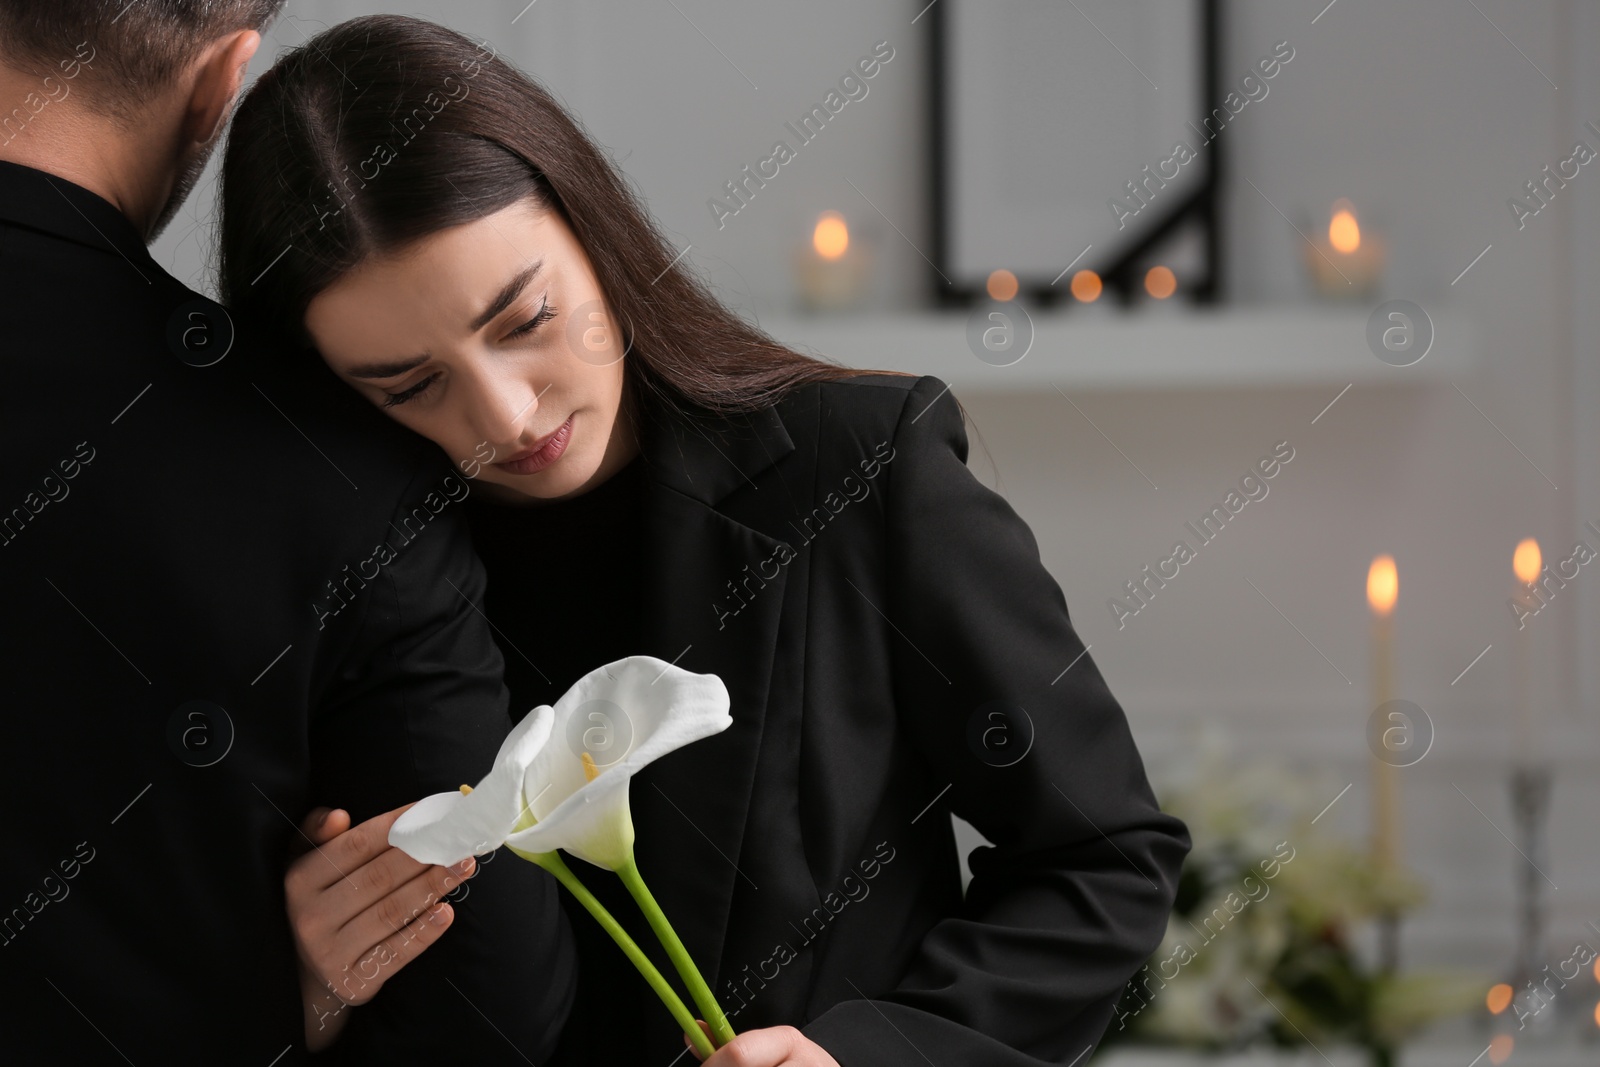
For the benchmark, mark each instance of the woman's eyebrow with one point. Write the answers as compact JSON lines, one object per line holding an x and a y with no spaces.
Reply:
{"x":502,"y":300}
{"x":512,"y":290}
{"x":387,"y":370}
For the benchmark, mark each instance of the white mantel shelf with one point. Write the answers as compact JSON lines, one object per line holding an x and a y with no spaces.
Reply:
{"x":1164,"y":348}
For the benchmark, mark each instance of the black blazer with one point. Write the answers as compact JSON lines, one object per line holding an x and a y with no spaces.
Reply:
{"x":894,"y":651}
{"x":199,"y":646}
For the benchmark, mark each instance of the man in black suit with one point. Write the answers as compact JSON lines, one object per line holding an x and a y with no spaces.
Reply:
{"x":232,"y":590}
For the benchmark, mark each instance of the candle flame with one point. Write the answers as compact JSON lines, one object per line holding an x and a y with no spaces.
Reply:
{"x":1499,"y":998}
{"x":1002,"y":286}
{"x":1383,"y":584}
{"x":1343,"y":232}
{"x":1160,"y":282}
{"x":1526,"y":560}
{"x":831,"y":236}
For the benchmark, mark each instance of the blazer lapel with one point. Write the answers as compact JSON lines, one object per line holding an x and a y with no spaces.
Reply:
{"x":689,"y":808}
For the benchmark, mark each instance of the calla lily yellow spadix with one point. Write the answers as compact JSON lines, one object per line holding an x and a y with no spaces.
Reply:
{"x":539,"y":798}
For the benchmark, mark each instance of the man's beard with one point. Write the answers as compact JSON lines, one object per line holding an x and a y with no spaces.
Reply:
{"x":193,"y":167}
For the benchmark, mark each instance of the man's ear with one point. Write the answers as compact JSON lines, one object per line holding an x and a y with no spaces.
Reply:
{"x":218,"y":76}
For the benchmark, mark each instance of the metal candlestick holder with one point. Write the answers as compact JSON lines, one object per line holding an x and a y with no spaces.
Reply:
{"x":1531,"y":1005}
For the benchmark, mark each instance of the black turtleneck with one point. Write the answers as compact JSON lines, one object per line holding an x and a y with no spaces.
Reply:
{"x":563,"y":597}
{"x":563,"y":583}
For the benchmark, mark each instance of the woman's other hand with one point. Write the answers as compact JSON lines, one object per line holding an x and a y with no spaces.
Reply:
{"x":360,"y":910}
{"x":775,"y":1046}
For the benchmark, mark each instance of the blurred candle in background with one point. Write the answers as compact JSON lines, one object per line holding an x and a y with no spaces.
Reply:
{"x":1002,"y":286}
{"x":1086,"y":286}
{"x":1160,"y":282}
{"x":1090,"y":300}
{"x":832,"y":268}
{"x":1383,"y":589}
{"x":1347,"y":262}
{"x":1526,"y":563}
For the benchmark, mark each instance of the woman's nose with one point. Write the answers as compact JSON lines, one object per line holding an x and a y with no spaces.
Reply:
{"x":501,"y":409}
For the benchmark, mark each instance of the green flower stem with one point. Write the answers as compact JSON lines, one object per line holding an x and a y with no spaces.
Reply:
{"x":703,"y":998}
{"x":552,"y":862}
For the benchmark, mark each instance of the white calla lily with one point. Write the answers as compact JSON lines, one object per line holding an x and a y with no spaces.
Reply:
{"x":447,"y":827}
{"x":642,"y":702}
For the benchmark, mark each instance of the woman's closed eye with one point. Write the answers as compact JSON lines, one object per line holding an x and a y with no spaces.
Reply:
{"x":546,"y":312}
{"x":410,"y":392}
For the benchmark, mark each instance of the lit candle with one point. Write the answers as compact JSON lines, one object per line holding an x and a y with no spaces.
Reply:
{"x":1161,"y":293}
{"x":1002,"y":286}
{"x":1090,"y":298}
{"x":1383,"y":588}
{"x":1348,"y":262}
{"x":832,"y":269}
{"x":1086,"y":286}
{"x":1526,"y":563}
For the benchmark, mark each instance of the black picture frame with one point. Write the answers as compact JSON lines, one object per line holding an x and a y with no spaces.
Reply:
{"x":1122,"y":275}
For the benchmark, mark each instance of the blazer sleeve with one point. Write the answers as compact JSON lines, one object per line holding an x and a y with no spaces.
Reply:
{"x":418,"y":706}
{"x":1074,"y":894}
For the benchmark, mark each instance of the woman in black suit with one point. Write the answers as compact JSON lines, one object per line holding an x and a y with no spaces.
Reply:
{"x":655,"y":476}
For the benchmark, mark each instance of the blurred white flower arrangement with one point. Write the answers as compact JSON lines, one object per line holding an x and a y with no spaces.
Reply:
{"x":1260,"y":949}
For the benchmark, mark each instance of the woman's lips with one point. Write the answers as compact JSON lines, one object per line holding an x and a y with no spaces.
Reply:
{"x":547,"y":452}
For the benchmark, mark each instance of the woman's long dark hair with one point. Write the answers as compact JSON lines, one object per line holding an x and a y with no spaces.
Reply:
{"x":386,"y":129}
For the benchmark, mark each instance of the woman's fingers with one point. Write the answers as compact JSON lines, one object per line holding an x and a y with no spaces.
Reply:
{"x":321,"y":825}
{"x":754,"y":1048}
{"x":325,"y":824}
{"x":391,"y":913}
{"x":360,"y":909}
{"x":360,"y":981}
{"x":773,"y":1046}
{"x":364,"y":885}
{"x":349,"y":850}
{"x":705,"y":1028}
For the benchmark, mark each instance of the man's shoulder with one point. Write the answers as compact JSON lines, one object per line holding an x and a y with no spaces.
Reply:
{"x":160,"y":379}
{"x":110,"y":333}
{"x":310,"y":390}
{"x":282,"y":402}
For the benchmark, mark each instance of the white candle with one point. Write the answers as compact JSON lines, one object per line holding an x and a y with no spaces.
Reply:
{"x":832,"y":268}
{"x":1526,"y":563}
{"x":1383,"y":589}
{"x":1348,"y":263}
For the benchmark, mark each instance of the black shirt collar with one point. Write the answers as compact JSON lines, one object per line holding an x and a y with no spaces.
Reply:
{"x":51,"y":204}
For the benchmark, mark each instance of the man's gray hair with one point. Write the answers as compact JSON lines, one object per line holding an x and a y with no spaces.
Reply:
{"x":129,"y":49}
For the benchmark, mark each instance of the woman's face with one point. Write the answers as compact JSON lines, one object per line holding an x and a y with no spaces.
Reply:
{"x":492,"y":339}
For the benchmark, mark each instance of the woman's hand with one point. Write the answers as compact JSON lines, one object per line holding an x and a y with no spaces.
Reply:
{"x":360,"y":910}
{"x":776,"y":1046}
